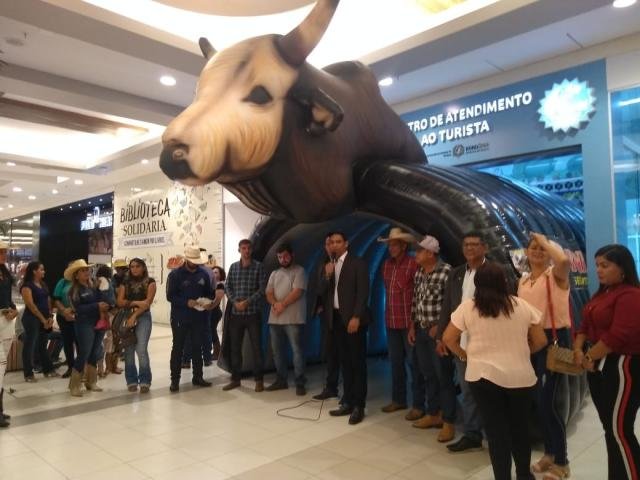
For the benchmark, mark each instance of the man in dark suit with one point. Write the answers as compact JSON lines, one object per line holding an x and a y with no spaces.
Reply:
{"x":346,"y":282}
{"x":460,"y":286}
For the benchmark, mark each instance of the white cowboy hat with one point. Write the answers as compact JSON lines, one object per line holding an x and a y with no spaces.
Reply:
{"x":398,"y":234}
{"x":193,"y":255}
{"x":430,"y":243}
{"x":73,"y":267}
{"x":4,"y":245}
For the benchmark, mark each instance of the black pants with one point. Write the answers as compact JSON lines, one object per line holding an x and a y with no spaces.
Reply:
{"x":68,"y":339}
{"x":333,"y":362}
{"x":352,"y":349}
{"x":238,"y":324}
{"x":505,"y":414}
{"x":34,"y":338}
{"x":194,"y":329}
{"x":616,"y":395}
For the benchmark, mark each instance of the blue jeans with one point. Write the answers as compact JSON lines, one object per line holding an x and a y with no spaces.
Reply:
{"x":551,"y":419}
{"x":440,"y":395}
{"x":89,"y":344}
{"x":472,"y":419}
{"x":294,"y":334}
{"x":143,"y":333}
{"x":401,"y":353}
{"x":35,"y":337}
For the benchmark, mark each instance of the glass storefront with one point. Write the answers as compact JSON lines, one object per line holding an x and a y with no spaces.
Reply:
{"x":22,"y":234}
{"x":625,"y":136}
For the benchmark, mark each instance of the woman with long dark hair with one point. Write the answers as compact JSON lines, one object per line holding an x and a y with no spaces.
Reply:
{"x":37,"y":320}
{"x":8,"y":314}
{"x":546,"y":287}
{"x":89,"y":305}
{"x":503,"y":332}
{"x":608,"y":347}
{"x":137,"y":292}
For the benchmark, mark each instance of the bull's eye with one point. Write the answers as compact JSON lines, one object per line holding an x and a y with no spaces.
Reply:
{"x":259,"y":95}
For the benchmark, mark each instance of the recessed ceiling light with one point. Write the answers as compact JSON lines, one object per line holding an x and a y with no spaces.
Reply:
{"x":54,"y":191}
{"x":31,"y":197}
{"x":623,"y":3}
{"x":79,"y":204}
{"x":78,"y":182}
{"x":15,"y":219}
{"x":11,"y":164}
{"x":167,"y":80}
{"x":144,"y":161}
{"x":89,"y":202}
{"x":10,"y":205}
{"x":386,"y":81}
{"x":60,"y":179}
{"x":136,"y":189}
{"x":1,"y":208}
{"x":61,"y":208}
{"x":17,"y":189}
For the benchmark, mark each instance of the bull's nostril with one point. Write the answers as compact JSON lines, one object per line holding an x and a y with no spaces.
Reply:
{"x":179,"y":155}
{"x":174,"y":164}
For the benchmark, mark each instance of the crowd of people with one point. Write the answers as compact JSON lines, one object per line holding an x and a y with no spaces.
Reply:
{"x":475,"y":327}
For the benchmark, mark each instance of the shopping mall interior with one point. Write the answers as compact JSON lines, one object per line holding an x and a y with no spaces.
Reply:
{"x":538,"y":96}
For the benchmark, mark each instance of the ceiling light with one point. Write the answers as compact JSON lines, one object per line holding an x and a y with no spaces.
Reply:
{"x":89,"y":202}
{"x":78,"y":182}
{"x":54,"y":191}
{"x":1,"y":208}
{"x":11,"y":164}
{"x":144,"y":161}
{"x":631,"y":101}
{"x":167,"y":80}
{"x":17,"y":189}
{"x":60,"y":179}
{"x":31,"y":197}
{"x":61,"y":208}
{"x":136,"y":189}
{"x":10,"y":205}
{"x":623,"y":3}
{"x":15,"y":219}
{"x":79,"y":204}
{"x":386,"y":81}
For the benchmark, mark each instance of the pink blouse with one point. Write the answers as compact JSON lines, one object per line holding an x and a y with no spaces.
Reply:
{"x":536,"y":294}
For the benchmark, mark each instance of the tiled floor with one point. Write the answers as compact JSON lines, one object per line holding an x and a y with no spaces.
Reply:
{"x":211,"y":434}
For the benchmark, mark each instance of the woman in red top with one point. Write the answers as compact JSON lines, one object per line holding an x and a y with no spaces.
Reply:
{"x":611,"y":328}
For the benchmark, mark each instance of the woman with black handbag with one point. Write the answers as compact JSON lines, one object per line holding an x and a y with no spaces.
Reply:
{"x":611,"y":329}
{"x":546,"y":287}
{"x":137,"y":292}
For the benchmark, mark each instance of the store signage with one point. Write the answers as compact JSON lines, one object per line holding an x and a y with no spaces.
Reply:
{"x":97,"y":219}
{"x":542,"y":113}
{"x":140,"y":217}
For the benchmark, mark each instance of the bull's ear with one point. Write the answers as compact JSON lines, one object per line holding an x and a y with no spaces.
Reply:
{"x":207,"y":49}
{"x":324,"y":112}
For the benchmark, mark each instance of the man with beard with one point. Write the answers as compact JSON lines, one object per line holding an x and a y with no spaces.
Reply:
{"x":285,"y":294}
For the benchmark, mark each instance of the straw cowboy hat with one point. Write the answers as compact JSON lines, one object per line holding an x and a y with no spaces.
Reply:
{"x":194,"y":255}
{"x":74,"y":267}
{"x":119,"y":263}
{"x":398,"y":234}
{"x":4,"y":245}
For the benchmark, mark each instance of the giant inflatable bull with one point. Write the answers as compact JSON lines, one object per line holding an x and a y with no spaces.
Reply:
{"x":282,"y":135}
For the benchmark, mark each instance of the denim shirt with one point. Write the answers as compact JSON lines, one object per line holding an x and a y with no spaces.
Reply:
{"x":85,"y":304}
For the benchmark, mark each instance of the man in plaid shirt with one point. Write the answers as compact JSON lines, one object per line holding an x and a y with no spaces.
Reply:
{"x":398,"y":272}
{"x":245,"y":287}
{"x":428,"y":293}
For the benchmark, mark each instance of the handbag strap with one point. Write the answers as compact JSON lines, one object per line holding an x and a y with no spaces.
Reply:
{"x":550,"y":308}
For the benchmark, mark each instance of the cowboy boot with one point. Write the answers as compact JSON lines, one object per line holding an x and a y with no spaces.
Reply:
{"x":114,"y":364}
{"x":75,"y":383}
{"x":101,"y":369}
{"x":4,"y":419}
{"x":92,"y":378}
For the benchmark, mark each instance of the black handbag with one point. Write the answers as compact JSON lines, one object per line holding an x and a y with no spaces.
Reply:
{"x":123,"y":336}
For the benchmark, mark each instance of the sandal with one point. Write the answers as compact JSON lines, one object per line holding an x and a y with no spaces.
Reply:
{"x":543,"y":464}
{"x":557,"y":472}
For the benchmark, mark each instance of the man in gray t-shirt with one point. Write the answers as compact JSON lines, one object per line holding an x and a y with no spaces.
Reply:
{"x":286,"y":295}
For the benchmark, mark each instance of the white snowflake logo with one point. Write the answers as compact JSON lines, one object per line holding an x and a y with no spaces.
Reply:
{"x":567,"y":105}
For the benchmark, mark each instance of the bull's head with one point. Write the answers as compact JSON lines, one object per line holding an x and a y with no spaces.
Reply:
{"x":231,"y":130}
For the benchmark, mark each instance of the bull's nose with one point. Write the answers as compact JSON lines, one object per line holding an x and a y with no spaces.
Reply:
{"x":173,"y":162}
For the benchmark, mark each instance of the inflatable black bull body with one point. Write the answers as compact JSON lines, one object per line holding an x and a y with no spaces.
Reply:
{"x":300,"y":144}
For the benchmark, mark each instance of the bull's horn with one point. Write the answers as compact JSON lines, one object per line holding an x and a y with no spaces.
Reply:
{"x":207,"y":50}
{"x":299,"y":42}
